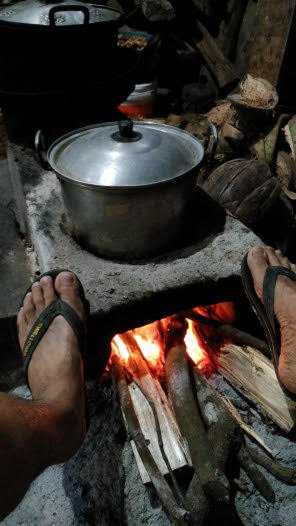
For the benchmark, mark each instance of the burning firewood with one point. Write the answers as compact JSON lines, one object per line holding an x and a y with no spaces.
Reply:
{"x":179,"y":515}
{"x":187,"y":418}
{"x":254,"y":375}
{"x":213,"y":481}
{"x":226,"y":437}
{"x":223,"y":432}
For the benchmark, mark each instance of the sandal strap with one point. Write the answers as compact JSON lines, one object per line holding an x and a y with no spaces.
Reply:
{"x":41,"y":325}
{"x":269,"y":284}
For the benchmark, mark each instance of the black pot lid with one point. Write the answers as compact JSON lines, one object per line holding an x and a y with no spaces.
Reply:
{"x":52,"y":13}
{"x":125,"y":155}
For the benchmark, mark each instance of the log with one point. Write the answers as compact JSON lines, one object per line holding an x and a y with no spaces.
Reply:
{"x":144,"y":389}
{"x":230,"y":26}
{"x":283,"y":473}
{"x":258,"y":479}
{"x":212,"y":479}
{"x":219,"y":66}
{"x":254,"y":376}
{"x":224,"y":433}
{"x":178,"y":514}
{"x":267,"y":51}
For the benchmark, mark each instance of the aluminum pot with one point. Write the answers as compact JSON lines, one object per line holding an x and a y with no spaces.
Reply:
{"x":127,"y":186}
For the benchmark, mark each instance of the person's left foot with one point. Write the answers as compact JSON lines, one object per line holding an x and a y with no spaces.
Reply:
{"x":55,"y":372}
{"x":259,"y":259}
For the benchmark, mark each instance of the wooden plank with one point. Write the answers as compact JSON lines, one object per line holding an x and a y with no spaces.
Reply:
{"x":267,"y":51}
{"x":145,"y":391}
{"x":219,"y":66}
{"x":175,"y":447}
{"x":254,"y":375}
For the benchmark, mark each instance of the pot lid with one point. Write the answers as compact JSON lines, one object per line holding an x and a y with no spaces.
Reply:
{"x":51,"y":13}
{"x":125,"y":154}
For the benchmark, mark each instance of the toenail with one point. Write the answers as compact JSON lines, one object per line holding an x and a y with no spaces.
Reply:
{"x":68,"y":278}
{"x":46,"y":280}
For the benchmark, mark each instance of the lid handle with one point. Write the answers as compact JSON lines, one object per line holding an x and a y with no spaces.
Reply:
{"x":126,"y":132}
{"x":64,"y":8}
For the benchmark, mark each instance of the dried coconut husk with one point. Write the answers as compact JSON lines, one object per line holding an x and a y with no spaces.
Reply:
{"x":256,"y":94}
{"x":265,"y":148}
{"x":286,"y":173}
{"x":290,"y":133}
{"x":244,"y":187}
{"x":221,"y":113}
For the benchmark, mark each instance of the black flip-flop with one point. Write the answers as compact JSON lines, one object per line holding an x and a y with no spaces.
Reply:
{"x":264,"y":310}
{"x":56,"y":308}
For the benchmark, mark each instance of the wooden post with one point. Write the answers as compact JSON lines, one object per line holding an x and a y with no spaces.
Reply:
{"x":267,"y":51}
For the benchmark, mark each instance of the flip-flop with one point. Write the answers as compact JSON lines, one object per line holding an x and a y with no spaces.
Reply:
{"x":57,"y":308}
{"x":264,"y":310}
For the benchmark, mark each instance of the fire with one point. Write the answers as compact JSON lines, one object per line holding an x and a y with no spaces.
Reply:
{"x":193,"y":345}
{"x":223,"y":312}
{"x":120,"y":349}
{"x":150,"y":339}
{"x":150,"y":350}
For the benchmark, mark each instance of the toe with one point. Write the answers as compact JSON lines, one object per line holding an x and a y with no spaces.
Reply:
{"x":283,"y":260}
{"x":20,"y":317}
{"x":258,"y":263}
{"x":47,"y":286}
{"x":38,"y":297}
{"x":67,"y":287}
{"x":28,"y":307}
{"x":272,"y":257}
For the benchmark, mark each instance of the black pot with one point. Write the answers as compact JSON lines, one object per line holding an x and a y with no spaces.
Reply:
{"x":60,"y":110}
{"x":44,"y":44}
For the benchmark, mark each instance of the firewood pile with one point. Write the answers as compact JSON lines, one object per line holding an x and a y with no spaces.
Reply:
{"x":227,"y":69}
{"x":176,"y":419}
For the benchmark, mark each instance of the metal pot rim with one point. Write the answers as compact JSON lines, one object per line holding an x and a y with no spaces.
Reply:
{"x":127,"y":188}
{"x":76,"y":27}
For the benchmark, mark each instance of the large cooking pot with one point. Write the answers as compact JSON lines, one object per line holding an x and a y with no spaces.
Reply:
{"x":127,"y":186}
{"x":46,"y":42}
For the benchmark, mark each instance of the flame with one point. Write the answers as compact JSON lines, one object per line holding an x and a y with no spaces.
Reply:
{"x":151,"y":340}
{"x":120,"y":349}
{"x":194,"y":346}
{"x":150,"y":350}
{"x":224,"y":312}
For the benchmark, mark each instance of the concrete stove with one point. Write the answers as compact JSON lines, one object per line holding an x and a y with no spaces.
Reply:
{"x":204,"y":268}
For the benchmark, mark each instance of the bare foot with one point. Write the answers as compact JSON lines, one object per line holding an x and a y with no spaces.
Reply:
{"x":259,"y":258}
{"x":55,"y":372}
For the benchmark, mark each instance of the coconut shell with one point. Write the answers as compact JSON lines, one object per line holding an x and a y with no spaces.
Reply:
{"x":245,"y":187}
{"x":255,"y":93}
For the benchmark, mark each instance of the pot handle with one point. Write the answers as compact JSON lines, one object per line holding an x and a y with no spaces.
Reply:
{"x":64,"y":9}
{"x":41,"y":150}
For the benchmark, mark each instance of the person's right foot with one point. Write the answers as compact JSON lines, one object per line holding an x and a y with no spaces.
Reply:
{"x":55,"y":372}
{"x":259,"y":258}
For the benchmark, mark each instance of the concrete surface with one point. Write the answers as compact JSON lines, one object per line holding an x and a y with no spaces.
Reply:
{"x":124,"y":294}
{"x":101,"y":485}
{"x":14,"y":268}
{"x":15,"y":275}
